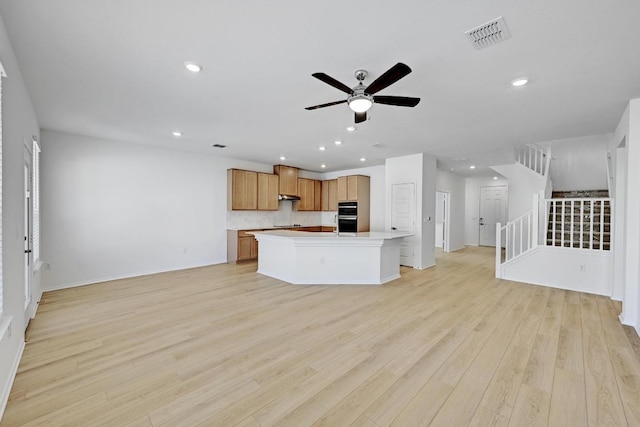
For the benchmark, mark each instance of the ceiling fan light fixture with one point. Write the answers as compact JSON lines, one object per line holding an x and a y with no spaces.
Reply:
{"x":360,"y":103}
{"x":521,"y":81}
{"x":193,"y":67}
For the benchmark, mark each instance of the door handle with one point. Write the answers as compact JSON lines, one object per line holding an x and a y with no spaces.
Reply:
{"x":394,"y":228}
{"x":28,"y":251}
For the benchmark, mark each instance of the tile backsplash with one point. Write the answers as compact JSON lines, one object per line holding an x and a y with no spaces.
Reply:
{"x":285,"y":215}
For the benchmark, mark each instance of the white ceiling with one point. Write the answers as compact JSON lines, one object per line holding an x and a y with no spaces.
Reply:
{"x":114,"y":69}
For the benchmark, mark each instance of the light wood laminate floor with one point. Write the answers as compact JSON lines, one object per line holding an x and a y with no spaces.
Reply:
{"x":224,"y":346}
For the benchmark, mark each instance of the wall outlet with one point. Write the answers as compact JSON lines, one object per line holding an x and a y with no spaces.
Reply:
{"x":47,"y":266}
{"x":322,"y":261}
{"x":184,"y":251}
{"x":583,"y":267}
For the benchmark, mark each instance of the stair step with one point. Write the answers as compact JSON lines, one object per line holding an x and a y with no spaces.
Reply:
{"x":580,"y":194}
{"x":596,"y":245}
{"x":586,"y":225}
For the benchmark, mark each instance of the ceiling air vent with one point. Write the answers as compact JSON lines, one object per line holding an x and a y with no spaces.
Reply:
{"x":489,"y":34}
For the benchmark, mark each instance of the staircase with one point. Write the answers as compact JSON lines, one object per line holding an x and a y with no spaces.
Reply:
{"x":579,"y":219}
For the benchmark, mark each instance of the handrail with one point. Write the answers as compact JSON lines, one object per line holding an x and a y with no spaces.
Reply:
{"x":517,"y":237}
{"x":534,"y":157}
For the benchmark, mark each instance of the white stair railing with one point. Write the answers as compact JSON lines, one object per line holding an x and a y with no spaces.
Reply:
{"x":517,"y":237}
{"x":534,"y":157}
{"x":583,"y":223}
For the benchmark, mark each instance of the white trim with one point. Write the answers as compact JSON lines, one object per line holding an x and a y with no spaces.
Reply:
{"x":6,"y":389}
{"x":632,"y":324}
{"x":125,"y":276}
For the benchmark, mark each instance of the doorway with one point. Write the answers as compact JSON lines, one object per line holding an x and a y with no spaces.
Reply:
{"x":442,"y":220}
{"x":493,"y":209}
{"x":28,"y":238}
{"x":403,"y":218}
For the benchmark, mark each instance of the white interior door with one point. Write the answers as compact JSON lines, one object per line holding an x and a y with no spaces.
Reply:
{"x":403,"y":218}
{"x":493,"y":209}
{"x":442,"y":206}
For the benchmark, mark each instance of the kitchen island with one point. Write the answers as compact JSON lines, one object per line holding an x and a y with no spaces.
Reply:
{"x":307,"y":258}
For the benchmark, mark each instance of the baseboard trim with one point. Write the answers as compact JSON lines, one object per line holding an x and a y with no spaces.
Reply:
{"x":632,"y":324}
{"x":123,"y":276}
{"x":6,"y":389}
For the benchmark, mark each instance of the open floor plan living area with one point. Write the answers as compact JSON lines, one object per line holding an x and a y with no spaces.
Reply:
{"x":319,"y":213}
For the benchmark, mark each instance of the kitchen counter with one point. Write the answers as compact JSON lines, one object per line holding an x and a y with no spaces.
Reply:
{"x":277,"y":227}
{"x":298,"y":257}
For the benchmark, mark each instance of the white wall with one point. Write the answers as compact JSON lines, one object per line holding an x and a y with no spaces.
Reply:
{"x":579,"y":163}
{"x":564,"y":268}
{"x":629,"y":130}
{"x":523,"y":184}
{"x":419,"y":169}
{"x":113,"y":209}
{"x":19,"y":124}
{"x":472,"y":206}
{"x":455,"y":185}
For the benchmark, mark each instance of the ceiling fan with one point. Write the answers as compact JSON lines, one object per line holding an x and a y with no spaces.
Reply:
{"x":362,"y":97}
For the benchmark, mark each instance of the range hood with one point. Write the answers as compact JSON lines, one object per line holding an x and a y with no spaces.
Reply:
{"x":288,"y":197}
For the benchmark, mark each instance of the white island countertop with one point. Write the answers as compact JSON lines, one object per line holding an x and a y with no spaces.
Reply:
{"x":300,"y":257}
{"x":370,"y":235}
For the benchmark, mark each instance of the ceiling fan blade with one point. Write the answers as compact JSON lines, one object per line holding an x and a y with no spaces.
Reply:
{"x":391,"y":76}
{"x":328,"y":104}
{"x":361,"y":117}
{"x":333,"y":82}
{"x":402,"y":101}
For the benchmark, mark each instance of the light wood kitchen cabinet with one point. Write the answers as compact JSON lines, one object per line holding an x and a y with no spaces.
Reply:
{"x":317,"y":195}
{"x":353,"y":188}
{"x":242,"y":189}
{"x":329,"y":195}
{"x":241,"y":246}
{"x":309,"y":201}
{"x":288,"y":180}
{"x":267,"y":192}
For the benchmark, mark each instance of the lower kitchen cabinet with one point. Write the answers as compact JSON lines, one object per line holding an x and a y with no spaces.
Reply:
{"x":241,"y":246}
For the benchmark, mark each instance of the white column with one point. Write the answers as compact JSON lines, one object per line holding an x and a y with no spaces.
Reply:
{"x":631,"y":301}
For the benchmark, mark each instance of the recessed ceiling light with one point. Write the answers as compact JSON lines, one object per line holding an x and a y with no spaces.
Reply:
{"x":351,"y":128}
{"x":193,"y":67}
{"x":520,"y":81}
{"x":362,"y":159}
{"x":322,"y":148}
{"x":323,"y":166}
{"x":176,"y":133}
{"x":472,"y":167}
{"x":337,"y":142}
{"x":495,"y":177}
{"x":283,"y":158}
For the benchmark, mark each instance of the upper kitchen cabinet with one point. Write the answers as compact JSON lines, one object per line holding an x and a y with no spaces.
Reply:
{"x":317,"y":196}
{"x":329,"y":200}
{"x":310,"y":192}
{"x":288,"y":180}
{"x":353,"y":188}
{"x":242,"y":189}
{"x":267,"y":192}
